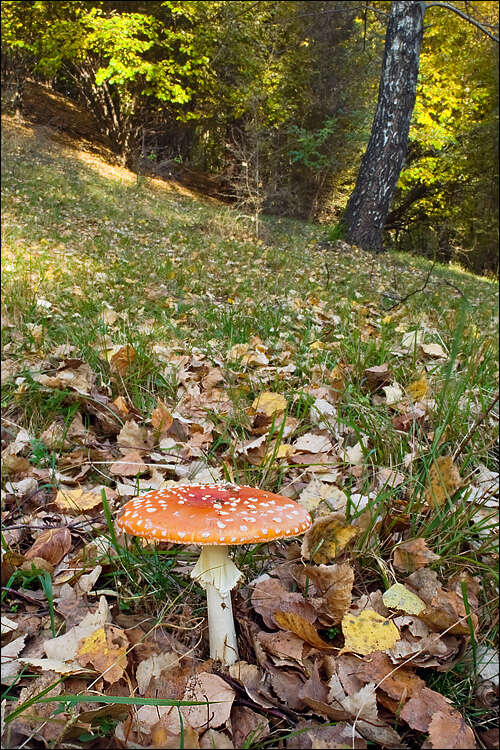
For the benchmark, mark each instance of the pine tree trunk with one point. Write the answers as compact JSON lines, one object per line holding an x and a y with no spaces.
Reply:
{"x":369,"y":204}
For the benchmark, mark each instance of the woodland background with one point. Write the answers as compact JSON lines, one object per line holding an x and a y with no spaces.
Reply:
{"x":269,"y":105}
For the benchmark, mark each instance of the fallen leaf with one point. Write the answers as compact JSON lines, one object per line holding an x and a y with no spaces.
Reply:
{"x":316,"y":492}
{"x":368,"y":632}
{"x":449,"y":731}
{"x":363,"y":708}
{"x":122,"y":360}
{"x":105,"y":649}
{"x":129,"y":466}
{"x":315,"y":694}
{"x":51,"y":545}
{"x":77,"y":501}
{"x":418,"y":389}
{"x":393,"y":393}
{"x":121,"y":405}
{"x":152,"y":667}
{"x":301,"y":627}
{"x":217,"y":695}
{"x":269,"y":404}
{"x":133,"y":436}
{"x":312,"y":443}
{"x":322,"y":412}
{"x":335,"y":583}
{"x":326,"y":538}
{"x":308,"y":735}
{"x":353,"y":455}
{"x":161,"y":417}
{"x":442,"y":482}
{"x":411,"y":340}
{"x":399,"y":597}
{"x":65,"y":647}
{"x":412,"y":555}
{"x":422,"y":706}
{"x":400,"y":684}
{"x":432,"y":351}
{"x":213,"y":740}
{"x":446,"y":611}
{"x":246,"y":724}
{"x":378,"y":376}
{"x":10,"y":667}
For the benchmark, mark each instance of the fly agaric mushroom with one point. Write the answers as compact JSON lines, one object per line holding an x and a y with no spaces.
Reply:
{"x":214,"y":516}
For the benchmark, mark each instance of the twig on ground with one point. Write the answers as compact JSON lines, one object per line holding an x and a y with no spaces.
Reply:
{"x":415,"y":291}
{"x":480,"y":419}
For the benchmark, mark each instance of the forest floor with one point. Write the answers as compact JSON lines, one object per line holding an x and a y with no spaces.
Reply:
{"x":149,"y":340}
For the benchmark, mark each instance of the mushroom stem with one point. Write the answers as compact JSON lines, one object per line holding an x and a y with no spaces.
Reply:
{"x":217,"y":574}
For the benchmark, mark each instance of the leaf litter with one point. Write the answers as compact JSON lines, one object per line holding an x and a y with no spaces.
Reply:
{"x":334,"y":656}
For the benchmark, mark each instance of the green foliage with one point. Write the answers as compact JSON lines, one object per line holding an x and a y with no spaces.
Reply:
{"x":452,"y":162}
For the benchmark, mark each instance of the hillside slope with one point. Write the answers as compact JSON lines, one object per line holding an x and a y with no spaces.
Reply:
{"x":148,"y":338}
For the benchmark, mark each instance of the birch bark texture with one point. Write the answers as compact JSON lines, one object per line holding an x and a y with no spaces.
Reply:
{"x":370,"y":201}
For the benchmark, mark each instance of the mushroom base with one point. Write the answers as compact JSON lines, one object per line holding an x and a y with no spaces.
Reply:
{"x":222,"y":635}
{"x":217,"y":573}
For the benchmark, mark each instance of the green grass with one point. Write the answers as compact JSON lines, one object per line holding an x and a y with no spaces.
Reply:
{"x":80,"y":238}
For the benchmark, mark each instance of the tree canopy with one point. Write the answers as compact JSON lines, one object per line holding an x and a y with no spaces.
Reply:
{"x":280,"y":96}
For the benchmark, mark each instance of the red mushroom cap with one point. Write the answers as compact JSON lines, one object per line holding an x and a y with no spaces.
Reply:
{"x":213,"y":514}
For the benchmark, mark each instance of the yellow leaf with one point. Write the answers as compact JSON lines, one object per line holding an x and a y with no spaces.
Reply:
{"x":301,"y":627}
{"x":270,"y":403}
{"x":418,"y":389}
{"x":317,"y":345}
{"x":326,"y":538}
{"x":368,"y":632}
{"x":443,"y":481}
{"x":76,"y":501}
{"x":106,"y":650}
{"x":399,"y":597}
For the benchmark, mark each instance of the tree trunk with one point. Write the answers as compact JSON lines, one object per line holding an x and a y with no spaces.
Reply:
{"x":369,"y":204}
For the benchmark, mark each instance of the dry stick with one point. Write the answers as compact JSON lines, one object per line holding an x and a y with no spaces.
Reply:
{"x":415,"y":291}
{"x":474,"y":427}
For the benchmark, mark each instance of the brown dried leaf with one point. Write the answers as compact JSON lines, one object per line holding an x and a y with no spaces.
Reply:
{"x":432,"y":351}
{"x":246,"y":723}
{"x":265,"y":596}
{"x":447,"y":612}
{"x":123,"y":359}
{"x":51,"y":545}
{"x":209,"y":688}
{"x":129,"y":466}
{"x":35,"y":720}
{"x":422,"y":706}
{"x":363,"y":707}
{"x":449,"y":730}
{"x":308,"y":735}
{"x":133,"y":436}
{"x":106,"y":650}
{"x":161,"y":418}
{"x":301,"y":627}
{"x":443,"y":481}
{"x":378,"y":376}
{"x":315,"y":694}
{"x":412,"y":555}
{"x":335,"y":583}
{"x":398,"y":683}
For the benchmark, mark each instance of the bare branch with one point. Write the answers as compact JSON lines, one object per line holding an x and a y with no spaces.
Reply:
{"x":463,"y":15}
